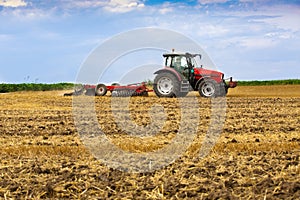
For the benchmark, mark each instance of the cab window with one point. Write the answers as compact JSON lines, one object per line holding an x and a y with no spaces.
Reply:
{"x":169,"y":61}
{"x":179,"y":62}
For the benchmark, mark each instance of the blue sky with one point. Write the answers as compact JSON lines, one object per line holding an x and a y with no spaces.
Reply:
{"x":47,"y":41}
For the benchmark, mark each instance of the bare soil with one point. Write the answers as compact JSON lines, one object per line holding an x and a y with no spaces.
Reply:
{"x":256,"y":156}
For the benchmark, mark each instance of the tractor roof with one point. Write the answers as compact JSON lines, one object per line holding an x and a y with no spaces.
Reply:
{"x":180,"y":54}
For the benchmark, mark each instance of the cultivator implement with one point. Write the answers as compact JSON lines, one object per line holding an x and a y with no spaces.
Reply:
{"x":136,"y":89}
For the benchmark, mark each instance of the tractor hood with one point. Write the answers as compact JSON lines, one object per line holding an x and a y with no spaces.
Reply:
{"x":207,"y":72}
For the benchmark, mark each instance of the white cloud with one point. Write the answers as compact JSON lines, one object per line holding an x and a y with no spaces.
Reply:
{"x":121,"y":6}
{"x":257,"y":43}
{"x":212,"y":1}
{"x":284,"y":17}
{"x":254,"y":1}
{"x":12,"y":3}
{"x":288,"y":18}
{"x":27,"y":14}
{"x":116,"y":6}
{"x":92,"y":41}
{"x":87,"y":4}
{"x":279,"y":35}
{"x":212,"y":30}
{"x":165,"y":8}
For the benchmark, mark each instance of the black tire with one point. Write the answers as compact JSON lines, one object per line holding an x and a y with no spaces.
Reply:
{"x":101,"y":90}
{"x":209,"y":88}
{"x":223,"y":89}
{"x":167,"y":85}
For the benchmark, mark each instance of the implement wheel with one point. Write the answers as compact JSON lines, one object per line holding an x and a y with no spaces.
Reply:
{"x":101,"y":90}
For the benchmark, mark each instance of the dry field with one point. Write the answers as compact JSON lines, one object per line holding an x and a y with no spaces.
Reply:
{"x":256,"y":156}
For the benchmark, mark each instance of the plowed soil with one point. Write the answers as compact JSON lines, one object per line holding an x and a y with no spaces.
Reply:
{"x":256,"y":156}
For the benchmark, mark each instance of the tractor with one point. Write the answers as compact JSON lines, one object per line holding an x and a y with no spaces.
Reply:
{"x":182,"y":74}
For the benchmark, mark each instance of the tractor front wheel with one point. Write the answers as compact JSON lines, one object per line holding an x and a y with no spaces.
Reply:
{"x":210,"y":88}
{"x":101,"y":90}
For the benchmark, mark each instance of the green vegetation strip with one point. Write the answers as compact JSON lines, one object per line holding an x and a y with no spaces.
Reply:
{"x":270,"y":82}
{"x":4,"y":88}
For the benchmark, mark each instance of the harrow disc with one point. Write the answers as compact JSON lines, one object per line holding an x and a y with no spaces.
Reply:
{"x":128,"y":93}
{"x":122,"y":93}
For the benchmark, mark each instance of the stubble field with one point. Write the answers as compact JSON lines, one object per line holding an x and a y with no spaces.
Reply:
{"x":255,"y":157}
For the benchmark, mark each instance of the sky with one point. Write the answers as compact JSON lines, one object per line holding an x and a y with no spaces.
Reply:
{"x":48,"y":41}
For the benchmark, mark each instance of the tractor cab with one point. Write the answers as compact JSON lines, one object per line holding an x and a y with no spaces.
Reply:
{"x":182,"y":62}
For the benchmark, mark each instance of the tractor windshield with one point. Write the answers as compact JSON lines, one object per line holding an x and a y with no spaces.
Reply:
{"x":176,"y":62}
{"x":196,"y":61}
{"x":181,"y":62}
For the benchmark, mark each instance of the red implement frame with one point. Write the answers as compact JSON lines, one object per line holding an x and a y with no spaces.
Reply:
{"x":135,"y":89}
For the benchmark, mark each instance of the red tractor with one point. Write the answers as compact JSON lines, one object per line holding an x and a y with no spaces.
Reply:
{"x":182,"y":74}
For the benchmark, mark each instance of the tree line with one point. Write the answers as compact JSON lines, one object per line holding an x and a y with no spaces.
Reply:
{"x":269,"y":82}
{"x":4,"y":87}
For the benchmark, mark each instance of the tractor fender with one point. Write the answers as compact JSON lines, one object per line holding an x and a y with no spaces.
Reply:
{"x":171,"y":71}
{"x":199,"y":81}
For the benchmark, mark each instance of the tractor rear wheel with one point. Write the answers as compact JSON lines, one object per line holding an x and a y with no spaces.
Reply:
{"x":101,"y":90}
{"x":167,"y":85}
{"x":209,"y":88}
{"x":164,"y":84}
